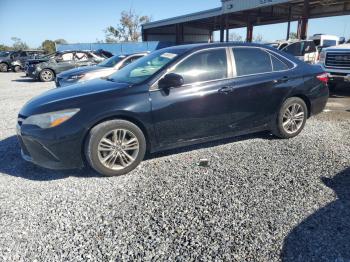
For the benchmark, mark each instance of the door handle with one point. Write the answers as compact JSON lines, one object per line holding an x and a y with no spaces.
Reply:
{"x":226,"y":90}
{"x":281,"y":80}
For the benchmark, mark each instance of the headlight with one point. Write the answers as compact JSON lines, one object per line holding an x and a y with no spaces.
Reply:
{"x":76,"y":77}
{"x":322,"y":57}
{"x":51,"y":119}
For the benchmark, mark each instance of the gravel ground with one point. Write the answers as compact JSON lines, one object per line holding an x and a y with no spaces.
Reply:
{"x":260,"y":199}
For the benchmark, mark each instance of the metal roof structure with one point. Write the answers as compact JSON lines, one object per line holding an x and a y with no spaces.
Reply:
{"x":199,"y":27}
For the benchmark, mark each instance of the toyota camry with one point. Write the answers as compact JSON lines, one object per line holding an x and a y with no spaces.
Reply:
{"x":173,"y":97}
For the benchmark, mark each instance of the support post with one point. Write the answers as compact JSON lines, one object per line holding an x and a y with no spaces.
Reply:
{"x":289,"y":18}
{"x":249,"y":37}
{"x":305,"y":20}
{"x":179,"y":33}
{"x":144,"y":35}
{"x":227,"y":29}
{"x":222,"y":29}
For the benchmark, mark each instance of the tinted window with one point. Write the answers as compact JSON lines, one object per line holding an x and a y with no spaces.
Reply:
{"x":251,"y":61}
{"x":329,"y":43}
{"x":203,"y":66}
{"x":295,"y":49}
{"x":310,"y":47}
{"x":277,"y":64}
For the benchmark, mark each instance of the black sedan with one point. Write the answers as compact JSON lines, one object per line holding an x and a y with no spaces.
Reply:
{"x":171,"y":98}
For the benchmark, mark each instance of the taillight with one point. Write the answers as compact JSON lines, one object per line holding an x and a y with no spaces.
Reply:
{"x":323,"y":78}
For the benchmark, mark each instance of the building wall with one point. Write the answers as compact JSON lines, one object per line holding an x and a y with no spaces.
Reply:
{"x":168,"y":34}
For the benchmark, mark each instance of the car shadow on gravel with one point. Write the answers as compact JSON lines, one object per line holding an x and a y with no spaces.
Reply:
{"x":12,"y":164}
{"x":325,"y":235}
{"x":262,"y":135}
{"x":25,"y":80}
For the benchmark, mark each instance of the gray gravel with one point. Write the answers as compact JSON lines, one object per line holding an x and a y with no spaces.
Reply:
{"x":259,"y":199}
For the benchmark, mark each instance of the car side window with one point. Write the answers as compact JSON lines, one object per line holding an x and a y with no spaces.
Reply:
{"x":203,"y":66}
{"x":251,"y":61}
{"x":295,"y":49}
{"x":277,"y":64}
{"x":65,"y":57}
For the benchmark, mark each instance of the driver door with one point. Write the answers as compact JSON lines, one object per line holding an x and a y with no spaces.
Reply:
{"x":201,"y":107}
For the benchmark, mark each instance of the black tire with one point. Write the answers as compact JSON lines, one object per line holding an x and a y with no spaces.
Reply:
{"x":98,"y":133}
{"x":279,"y":129}
{"x":332,"y":87}
{"x":4,"y":67}
{"x":46,"y":75}
{"x":17,"y":68}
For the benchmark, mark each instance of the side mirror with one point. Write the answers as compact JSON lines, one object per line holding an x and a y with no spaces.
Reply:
{"x":171,"y":80}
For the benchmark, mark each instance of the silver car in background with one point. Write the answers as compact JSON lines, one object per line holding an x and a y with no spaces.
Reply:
{"x":103,"y":69}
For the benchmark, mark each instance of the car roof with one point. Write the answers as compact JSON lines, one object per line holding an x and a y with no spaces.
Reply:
{"x":193,"y":47}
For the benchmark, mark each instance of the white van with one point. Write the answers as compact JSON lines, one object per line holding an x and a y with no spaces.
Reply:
{"x":321,"y":40}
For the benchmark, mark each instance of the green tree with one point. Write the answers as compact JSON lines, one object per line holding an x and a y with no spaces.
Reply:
{"x":259,"y":38}
{"x":128,"y":29}
{"x":60,"y":41}
{"x":18,"y":44}
{"x":293,"y":35}
{"x":48,"y":46}
{"x":4,"y":47}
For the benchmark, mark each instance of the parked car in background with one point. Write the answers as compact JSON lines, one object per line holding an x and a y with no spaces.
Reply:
{"x":322,"y":40}
{"x":336,"y":62}
{"x":22,"y":57}
{"x":170,"y":98}
{"x":6,"y":58}
{"x":103,"y":69}
{"x":304,"y":50}
{"x":46,"y":68}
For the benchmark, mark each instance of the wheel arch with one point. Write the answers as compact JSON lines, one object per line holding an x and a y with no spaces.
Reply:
{"x":306,"y":101}
{"x":129,"y":118}
{"x":48,"y":68}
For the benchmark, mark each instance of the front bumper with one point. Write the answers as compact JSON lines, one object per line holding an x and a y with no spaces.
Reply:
{"x":49,"y":148}
{"x":32,"y":72}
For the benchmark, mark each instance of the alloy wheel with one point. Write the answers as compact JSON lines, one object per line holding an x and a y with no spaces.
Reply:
{"x":293,"y":118}
{"x":47,"y":75}
{"x":118,"y":149}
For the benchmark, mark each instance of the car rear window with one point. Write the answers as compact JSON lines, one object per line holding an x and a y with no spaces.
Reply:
{"x":277,"y":64}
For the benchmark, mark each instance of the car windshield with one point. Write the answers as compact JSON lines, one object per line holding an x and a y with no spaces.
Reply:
{"x":111,"y":62}
{"x":146,"y":67}
{"x":328,"y":43}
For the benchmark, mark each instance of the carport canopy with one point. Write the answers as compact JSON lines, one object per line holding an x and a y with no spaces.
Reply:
{"x":199,"y":27}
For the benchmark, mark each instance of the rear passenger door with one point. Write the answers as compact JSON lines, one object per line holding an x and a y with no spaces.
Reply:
{"x":64,"y":62}
{"x":258,"y":87}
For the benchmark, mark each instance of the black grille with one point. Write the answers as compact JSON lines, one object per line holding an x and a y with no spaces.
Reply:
{"x":338,"y":59}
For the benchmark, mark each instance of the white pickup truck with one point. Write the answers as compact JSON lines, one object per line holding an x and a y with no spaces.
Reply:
{"x":336,"y":62}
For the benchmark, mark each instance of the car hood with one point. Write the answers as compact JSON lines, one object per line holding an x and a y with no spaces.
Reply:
{"x":345,"y":47}
{"x":80,"y":70}
{"x":69,"y":97}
